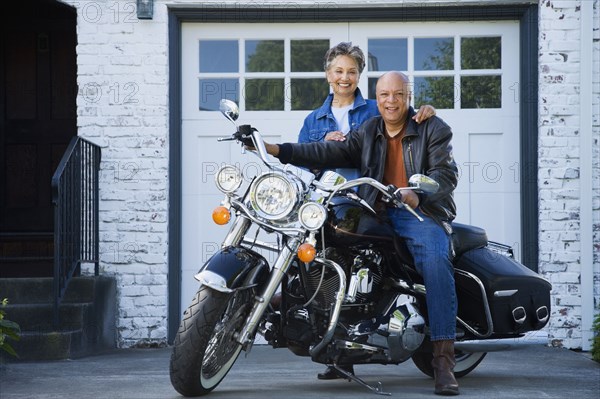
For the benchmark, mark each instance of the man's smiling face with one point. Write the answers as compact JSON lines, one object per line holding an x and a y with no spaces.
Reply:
{"x":393,"y":97}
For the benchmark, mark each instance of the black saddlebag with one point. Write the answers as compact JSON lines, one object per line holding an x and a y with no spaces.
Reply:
{"x":518,"y":298}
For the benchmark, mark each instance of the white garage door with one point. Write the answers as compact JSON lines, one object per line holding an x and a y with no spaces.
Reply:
{"x":467,"y":70}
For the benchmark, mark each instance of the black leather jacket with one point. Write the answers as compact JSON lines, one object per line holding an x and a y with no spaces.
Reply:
{"x":427,"y":150}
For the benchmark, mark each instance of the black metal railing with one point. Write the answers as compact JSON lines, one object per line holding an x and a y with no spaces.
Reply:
{"x":76,"y":227}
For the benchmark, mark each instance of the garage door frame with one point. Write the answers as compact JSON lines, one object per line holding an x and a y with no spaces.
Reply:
{"x":527,"y":15}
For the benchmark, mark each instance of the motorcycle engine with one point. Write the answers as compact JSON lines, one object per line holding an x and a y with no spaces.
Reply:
{"x":367,"y":263}
{"x":398,"y":333}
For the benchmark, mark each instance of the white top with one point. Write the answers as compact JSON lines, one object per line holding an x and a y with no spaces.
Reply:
{"x":341,"y":117}
{"x":343,"y":122}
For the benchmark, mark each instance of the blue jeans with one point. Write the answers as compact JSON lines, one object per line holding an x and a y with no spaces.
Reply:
{"x":429,"y":245}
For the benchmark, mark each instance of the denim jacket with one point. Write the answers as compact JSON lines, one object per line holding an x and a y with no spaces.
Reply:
{"x":321,"y":121}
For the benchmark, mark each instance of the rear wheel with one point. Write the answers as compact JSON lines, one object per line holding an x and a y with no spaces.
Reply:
{"x":205,"y":347}
{"x":465,"y":362}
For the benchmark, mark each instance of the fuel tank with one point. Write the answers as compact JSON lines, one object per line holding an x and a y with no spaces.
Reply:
{"x":351,"y":223}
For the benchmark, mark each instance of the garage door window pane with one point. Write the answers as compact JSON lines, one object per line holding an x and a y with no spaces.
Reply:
{"x":436,"y":91}
{"x":308,"y":94}
{"x":307,"y":55}
{"x":213,"y":90}
{"x":219,"y":56}
{"x":433,"y":54}
{"x":264,"y":94}
{"x":480,"y":53}
{"x":264,"y":56}
{"x":372,"y":93}
{"x":480,"y":92}
{"x":387,"y":55}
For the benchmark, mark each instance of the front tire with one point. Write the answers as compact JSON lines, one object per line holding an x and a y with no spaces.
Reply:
{"x":205,"y":347}
{"x":465,"y":362}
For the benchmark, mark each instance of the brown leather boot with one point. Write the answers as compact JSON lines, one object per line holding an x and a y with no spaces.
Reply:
{"x":443,"y":367}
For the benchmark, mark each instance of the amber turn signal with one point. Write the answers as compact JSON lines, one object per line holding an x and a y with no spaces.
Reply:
{"x":306,"y":252}
{"x":221,"y":215}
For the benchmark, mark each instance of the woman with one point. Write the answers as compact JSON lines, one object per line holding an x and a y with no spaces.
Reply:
{"x":344,"y":109}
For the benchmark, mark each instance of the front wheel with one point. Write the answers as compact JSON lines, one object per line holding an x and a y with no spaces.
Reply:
{"x":465,"y":362}
{"x":205,"y":347}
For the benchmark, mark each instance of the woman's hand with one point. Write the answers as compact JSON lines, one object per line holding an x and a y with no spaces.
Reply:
{"x":424,"y":113}
{"x":335,"y":136}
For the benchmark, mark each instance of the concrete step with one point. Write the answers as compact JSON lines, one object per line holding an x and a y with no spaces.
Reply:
{"x":87,"y":317}
{"x":53,"y":345}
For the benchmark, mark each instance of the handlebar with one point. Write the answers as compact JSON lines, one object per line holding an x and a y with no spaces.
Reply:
{"x":249,"y":135}
{"x":391,"y":193}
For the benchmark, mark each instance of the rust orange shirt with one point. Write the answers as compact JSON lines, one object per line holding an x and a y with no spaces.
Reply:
{"x":395,"y":171}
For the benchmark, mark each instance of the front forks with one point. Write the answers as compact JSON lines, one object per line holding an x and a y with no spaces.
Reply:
{"x":280,"y":268}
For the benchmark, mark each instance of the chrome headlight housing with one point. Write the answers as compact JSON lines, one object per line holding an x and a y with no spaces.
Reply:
{"x":274,"y":195}
{"x":228,"y":179}
{"x":312,"y":216}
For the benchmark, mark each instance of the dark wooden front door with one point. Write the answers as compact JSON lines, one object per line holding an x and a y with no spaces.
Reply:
{"x":37,"y":119}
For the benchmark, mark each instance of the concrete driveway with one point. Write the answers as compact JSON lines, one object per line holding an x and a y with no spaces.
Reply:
{"x":530,"y":372}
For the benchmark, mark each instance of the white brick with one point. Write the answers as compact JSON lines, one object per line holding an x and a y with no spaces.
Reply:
{"x":565,"y":277}
{"x":564,"y":4}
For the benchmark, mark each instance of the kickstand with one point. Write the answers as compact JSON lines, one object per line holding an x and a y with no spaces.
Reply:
{"x":378,"y":389}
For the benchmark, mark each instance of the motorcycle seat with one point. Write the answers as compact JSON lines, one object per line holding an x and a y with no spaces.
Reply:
{"x":466,"y":237}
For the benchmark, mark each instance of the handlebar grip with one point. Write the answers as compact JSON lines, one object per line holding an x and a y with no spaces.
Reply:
{"x":244,"y":134}
{"x":395,"y":195}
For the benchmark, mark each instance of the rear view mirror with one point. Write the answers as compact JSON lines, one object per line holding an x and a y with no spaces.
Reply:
{"x":229,"y":109}
{"x":423,"y":183}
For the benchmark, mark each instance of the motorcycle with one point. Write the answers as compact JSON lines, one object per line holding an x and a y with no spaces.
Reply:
{"x":347,"y":291}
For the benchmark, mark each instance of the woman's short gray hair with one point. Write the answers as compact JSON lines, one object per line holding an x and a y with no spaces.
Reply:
{"x":345,"y":48}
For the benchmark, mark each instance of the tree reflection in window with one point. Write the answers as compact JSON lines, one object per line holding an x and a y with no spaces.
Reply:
{"x":480,"y":91}
{"x":435,"y":90}
{"x":308,"y":94}
{"x":434,"y":54}
{"x":307,"y":55}
{"x":481,"y":53}
{"x":264,"y":56}
{"x":264,"y":94}
{"x":268,"y":56}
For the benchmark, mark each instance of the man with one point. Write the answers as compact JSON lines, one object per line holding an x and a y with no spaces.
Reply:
{"x":390,"y":148}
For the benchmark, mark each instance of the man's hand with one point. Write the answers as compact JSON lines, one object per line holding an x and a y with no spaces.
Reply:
{"x":424,"y":113}
{"x":272,"y":149}
{"x":410,"y":198}
{"x":335,"y":136}
{"x":246,"y":138}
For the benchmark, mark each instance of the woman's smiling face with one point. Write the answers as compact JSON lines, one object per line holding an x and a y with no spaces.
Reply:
{"x":343,"y":76}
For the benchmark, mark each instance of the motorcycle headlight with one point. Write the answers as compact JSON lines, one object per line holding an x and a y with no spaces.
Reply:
{"x":312,"y":216}
{"x":273,"y":196}
{"x":228,"y":179}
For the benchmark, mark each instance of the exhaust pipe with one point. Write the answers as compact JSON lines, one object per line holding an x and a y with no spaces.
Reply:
{"x":502,"y":344}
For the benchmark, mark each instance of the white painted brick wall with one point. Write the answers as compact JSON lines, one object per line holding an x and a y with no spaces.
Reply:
{"x":123,"y":106}
{"x":559,"y":166}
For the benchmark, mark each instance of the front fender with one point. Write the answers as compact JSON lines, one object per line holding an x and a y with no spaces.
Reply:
{"x":233,"y":268}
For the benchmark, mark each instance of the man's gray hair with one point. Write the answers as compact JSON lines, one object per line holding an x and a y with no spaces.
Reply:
{"x":345,"y":48}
